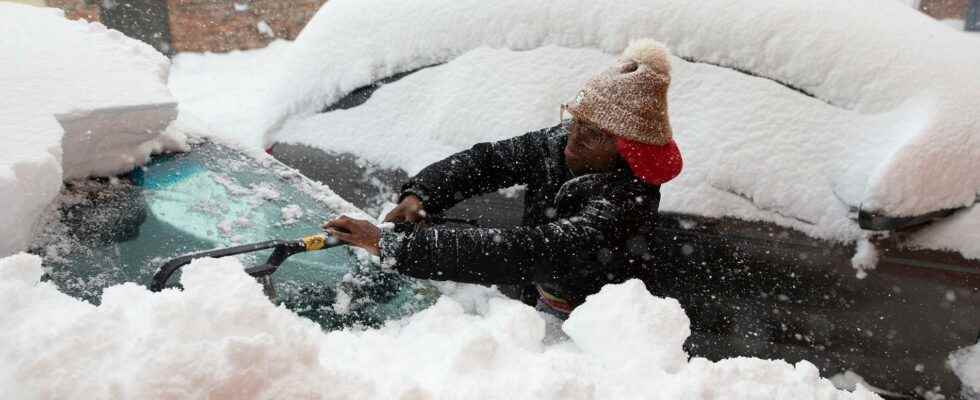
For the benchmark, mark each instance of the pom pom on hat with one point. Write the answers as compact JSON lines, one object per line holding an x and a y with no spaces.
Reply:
{"x":629,"y":99}
{"x":651,"y":53}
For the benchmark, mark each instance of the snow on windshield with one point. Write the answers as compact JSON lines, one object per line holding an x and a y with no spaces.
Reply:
{"x":221,"y":338}
{"x":78,"y":99}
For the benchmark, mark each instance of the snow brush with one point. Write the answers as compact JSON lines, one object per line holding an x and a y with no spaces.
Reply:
{"x":282,"y":249}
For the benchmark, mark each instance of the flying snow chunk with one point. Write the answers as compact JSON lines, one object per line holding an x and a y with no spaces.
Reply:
{"x":625,"y":325}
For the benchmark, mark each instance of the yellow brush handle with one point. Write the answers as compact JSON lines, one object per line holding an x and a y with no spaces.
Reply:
{"x":315,"y":242}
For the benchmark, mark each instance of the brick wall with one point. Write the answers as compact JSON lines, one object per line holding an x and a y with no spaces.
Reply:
{"x":214,"y":25}
{"x":224,"y":25}
{"x":945,"y":9}
{"x":75,"y":9}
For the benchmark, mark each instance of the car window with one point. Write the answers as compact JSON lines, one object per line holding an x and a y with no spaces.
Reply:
{"x":109,"y":231}
{"x":973,"y":16}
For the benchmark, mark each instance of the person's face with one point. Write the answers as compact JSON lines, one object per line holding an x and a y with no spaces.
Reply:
{"x":589,"y":149}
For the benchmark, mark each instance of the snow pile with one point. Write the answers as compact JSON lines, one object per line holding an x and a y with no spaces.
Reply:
{"x":78,"y":100}
{"x":221,"y":338}
{"x":966,"y":364}
{"x":221,"y":94}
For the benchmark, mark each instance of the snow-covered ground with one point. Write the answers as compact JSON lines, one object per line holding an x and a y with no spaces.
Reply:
{"x":221,"y":338}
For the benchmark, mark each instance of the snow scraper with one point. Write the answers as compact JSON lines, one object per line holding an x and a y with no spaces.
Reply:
{"x":281,"y":250}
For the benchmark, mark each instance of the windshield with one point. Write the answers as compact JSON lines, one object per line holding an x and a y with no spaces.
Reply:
{"x":122,"y":230}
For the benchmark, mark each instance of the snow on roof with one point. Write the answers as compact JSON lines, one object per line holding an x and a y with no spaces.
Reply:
{"x":78,"y":99}
{"x":889,"y":127}
{"x":869,"y":57}
{"x":220,"y":337}
{"x":222,"y":94}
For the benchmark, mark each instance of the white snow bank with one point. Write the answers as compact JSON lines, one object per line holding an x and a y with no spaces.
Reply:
{"x":221,"y":338}
{"x":870,"y":57}
{"x":78,"y":100}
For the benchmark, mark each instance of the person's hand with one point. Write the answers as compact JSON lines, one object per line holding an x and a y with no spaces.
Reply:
{"x":409,"y":210}
{"x":355,"y":232}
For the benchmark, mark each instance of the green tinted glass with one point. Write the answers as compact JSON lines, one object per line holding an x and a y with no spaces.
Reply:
{"x":114,"y":231}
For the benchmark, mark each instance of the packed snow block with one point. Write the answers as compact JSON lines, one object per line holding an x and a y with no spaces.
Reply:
{"x":28,"y":187}
{"x":109,"y":140}
{"x":30,"y":175}
{"x":627,"y":327}
{"x":78,"y":100}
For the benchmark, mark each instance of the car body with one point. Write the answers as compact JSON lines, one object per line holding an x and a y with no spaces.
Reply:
{"x":758,"y":289}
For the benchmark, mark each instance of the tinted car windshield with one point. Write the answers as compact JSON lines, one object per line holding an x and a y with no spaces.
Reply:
{"x":121,"y":230}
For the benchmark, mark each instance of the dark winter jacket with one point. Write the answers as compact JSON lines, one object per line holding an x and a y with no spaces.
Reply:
{"x":578,"y":233}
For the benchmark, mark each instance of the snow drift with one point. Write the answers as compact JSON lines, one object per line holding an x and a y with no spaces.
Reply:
{"x":78,"y":100}
{"x":221,"y":338}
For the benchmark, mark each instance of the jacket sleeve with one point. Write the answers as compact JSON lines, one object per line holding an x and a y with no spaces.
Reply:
{"x":483,"y":168}
{"x":499,"y":256}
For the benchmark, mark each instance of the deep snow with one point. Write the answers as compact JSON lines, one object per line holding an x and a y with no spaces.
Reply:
{"x":753,"y":148}
{"x":869,"y":57}
{"x":891,"y":128}
{"x":220,"y":94}
{"x":221,"y":338}
{"x":227,"y":341}
{"x":78,"y":100}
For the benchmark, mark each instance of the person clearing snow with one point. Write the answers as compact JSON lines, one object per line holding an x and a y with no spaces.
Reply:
{"x":593,"y":189}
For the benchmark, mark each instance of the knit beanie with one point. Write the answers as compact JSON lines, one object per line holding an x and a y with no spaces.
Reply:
{"x":629,"y":100}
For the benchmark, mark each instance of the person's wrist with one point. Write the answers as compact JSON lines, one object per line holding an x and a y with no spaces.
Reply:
{"x":375,"y":245}
{"x":414,"y":192}
{"x":412,"y":197}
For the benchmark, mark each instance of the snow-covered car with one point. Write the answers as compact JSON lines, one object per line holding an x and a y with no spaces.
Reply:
{"x":753,"y":288}
{"x":111,"y":231}
{"x":826,"y":211}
